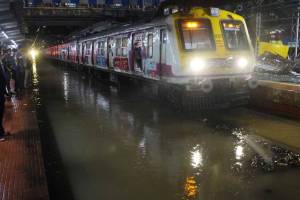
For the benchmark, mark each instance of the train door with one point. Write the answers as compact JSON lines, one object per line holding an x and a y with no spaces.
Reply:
{"x":163,"y":50}
{"x":110,"y":53}
{"x":101,"y":53}
{"x":68,"y":52}
{"x":137,"y":48}
{"x":78,"y":53}
{"x":83,"y":52}
{"x":89,"y":53}
{"x":94,"y":52}
{"x":151,"y":54}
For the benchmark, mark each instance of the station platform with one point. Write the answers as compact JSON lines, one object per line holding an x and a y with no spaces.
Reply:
{"x":277,"y":98}
{"x":22,"y":172}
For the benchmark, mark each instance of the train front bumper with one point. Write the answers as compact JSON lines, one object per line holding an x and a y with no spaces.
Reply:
{"x":211,"y":84}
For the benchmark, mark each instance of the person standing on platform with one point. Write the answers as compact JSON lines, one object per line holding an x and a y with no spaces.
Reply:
{"x":2,"y":98}
{"x":21,"y":62}
{"x":4,"y":62}
{"x":9,"y":64}
{"x":15,"y":72}
{"x":27,"y":71}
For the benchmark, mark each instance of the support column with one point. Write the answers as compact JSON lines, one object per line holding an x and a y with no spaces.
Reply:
{"x":258,"y":29}
{"x":297,"y":35}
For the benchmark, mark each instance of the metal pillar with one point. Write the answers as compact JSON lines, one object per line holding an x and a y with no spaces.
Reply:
{"x":258,"y":31}
{"x":297,"y":35}
{"x":258,"y":28}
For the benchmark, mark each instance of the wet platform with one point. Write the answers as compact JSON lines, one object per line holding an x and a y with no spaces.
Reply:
{"x":278,"y":98}
{"x":22,"y":173}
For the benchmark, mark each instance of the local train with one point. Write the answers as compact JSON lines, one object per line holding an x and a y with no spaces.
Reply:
{"x":200,"y":55}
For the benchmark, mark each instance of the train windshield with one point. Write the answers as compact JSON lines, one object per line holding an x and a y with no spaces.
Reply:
{"x":197,"y":35}
{"x":235,"y":35}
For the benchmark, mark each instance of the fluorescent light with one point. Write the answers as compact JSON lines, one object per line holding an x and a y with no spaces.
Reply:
{"x":14,"y":42}
{"x":4,"y":34}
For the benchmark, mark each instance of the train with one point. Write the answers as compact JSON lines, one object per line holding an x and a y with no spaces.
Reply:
{"x":201,"y":57}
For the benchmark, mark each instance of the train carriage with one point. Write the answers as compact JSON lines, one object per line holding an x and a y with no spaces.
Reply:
{"x":204,"y":50}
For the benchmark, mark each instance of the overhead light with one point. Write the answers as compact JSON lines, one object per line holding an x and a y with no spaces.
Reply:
{"x":3,"y":33}
{"x":12,"y":41}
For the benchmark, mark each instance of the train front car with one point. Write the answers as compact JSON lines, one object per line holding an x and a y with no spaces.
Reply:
{"x":215,"y":60}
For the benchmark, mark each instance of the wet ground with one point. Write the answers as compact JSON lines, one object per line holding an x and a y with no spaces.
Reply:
{"x":115,"y":144}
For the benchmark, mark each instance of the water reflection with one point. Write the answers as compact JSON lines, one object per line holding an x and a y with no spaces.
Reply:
{"x":14,"y":103}
{"x":66,"y":87}
{"x":34,"y":74}
{"x":35,"y":83}
{"x":118,"y":146}
{"x":196,"y":157}
{"x":190,"y":188}
{"x":239,"y":152}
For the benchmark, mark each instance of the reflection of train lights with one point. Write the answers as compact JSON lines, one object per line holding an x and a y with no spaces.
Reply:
{"x":239,"y":152}
{"x":196,"y":159}
{"x":190,"y":188}
{"x":34,"y":67}
{"x":34,"y":74}
{"x":103,"y":103}
{"x":66,"y":87}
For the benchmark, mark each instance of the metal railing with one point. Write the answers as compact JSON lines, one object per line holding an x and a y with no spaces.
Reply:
{"x":278,"y":77}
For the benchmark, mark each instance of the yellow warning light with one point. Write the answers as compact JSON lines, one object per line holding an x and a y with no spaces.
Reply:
{"x":191,"y":24}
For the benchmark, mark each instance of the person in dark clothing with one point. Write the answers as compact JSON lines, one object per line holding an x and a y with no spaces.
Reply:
{"x":2,"y":98}
{"x":138,"y":56}
{"x":9,"y":63}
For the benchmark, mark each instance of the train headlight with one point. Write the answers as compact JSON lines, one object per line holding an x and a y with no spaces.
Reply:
{"x":197,"y":64}
{"x":242,"y":62}
{"x":33,"y":53}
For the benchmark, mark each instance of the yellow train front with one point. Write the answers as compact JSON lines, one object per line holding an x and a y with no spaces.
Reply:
{"x":211,"y":56}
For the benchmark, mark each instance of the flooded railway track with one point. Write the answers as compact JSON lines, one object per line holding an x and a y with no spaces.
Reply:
{"x":116,"y":144}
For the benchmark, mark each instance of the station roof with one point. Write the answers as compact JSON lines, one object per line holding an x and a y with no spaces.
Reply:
{"x":9,"y":27}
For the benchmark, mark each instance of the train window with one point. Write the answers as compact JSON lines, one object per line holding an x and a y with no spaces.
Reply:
{"x":197,"y":34}
{"x":119,"y":47}
{"x":124,"y":46}
{"x":235,"y":35}
{"x":101,"y":48}
{"x":150,"y":46}
{"x":98,"y":49}
{"x":88,"y":48}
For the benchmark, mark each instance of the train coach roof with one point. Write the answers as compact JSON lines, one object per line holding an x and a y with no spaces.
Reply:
{"x":123,"y":28}
{"x":161,"y":21}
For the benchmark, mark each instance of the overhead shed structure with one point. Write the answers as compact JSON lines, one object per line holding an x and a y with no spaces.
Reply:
{"x":9,"y":29}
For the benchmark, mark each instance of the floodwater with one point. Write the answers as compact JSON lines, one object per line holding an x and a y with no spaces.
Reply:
{"x":115,"y":144}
